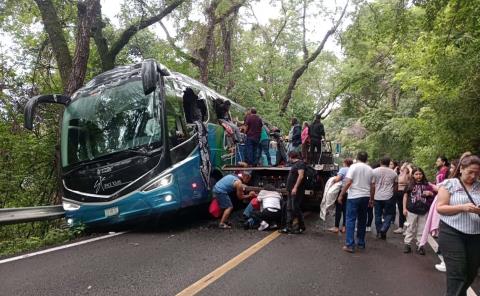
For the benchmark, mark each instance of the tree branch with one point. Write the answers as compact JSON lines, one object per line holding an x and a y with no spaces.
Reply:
{"x":300,"y":70}
{"x":177,"y":49}
{"x":304,"y":44}
{"x":120,"y":43}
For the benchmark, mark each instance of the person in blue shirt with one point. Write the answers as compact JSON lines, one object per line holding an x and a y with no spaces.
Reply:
{"x":222,"y":190}
{"x":341,"y":208}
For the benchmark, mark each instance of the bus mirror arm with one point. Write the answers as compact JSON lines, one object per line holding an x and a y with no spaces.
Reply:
{"x":32,"y":104}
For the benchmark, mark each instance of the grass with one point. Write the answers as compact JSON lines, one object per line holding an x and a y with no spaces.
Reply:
{"x":25,"y":237}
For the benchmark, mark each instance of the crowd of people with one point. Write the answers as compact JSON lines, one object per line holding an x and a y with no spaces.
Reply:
{"x":253,"y":137}
{"x":447,"y":208}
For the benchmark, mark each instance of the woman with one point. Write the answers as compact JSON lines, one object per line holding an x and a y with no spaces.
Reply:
{"x":305,"y":142}
{"x":403,"y":180}
{"x":341,"y":209}
{"x":459,"y":239}
{"x":417,"y":200}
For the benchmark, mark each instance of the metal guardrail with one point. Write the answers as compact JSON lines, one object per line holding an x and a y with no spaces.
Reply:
{"x":30,"y":214}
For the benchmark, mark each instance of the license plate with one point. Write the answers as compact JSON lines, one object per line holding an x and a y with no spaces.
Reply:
{"x":111,"y":212}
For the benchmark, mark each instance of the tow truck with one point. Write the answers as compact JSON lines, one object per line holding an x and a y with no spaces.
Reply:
{"x":277,"y":176}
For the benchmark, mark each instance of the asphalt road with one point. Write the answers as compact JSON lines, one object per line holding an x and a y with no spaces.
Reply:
{"x":166,"y":259}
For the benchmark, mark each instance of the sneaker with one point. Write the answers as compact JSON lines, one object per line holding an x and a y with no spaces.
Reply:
{"x":264,"y":225}
{"x":333,"y":230}
{"x":441,"y":267}
{"x":383,"y":235}
{"x":369,"y":229}
{"x":273,"y":226}
{"x":224,"y":226}
{"x":284,"y":230}
{"x":302,"y":229}
{"x":421,"y":251}
{"x":348,"y":249}
{"x":398,"y":230}
{"x":407,"y":249}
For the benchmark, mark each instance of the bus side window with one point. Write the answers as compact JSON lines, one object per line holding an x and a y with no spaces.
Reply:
{"x":191,"y":106}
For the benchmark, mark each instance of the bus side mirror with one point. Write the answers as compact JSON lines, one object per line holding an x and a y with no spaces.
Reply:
{"x":149,"y":76}
{"x":32,"y":104}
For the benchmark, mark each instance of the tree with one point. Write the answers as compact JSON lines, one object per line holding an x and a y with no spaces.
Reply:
{"x":307,"y":59}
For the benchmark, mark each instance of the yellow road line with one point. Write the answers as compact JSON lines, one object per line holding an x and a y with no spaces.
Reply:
{"x":219,"y":272}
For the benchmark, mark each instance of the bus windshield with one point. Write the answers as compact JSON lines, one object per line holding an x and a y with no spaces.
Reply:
{"x":107,"y":120}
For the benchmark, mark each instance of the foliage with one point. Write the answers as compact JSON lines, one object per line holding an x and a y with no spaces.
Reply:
{"x":406,"y":84}
{"x":35,"y":235}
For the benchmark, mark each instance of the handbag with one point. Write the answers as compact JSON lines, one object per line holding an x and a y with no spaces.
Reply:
{"x":468,"y":193}
{"x":214,"y":208}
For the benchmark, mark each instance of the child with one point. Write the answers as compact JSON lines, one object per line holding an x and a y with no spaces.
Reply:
{"x":417,"y":200}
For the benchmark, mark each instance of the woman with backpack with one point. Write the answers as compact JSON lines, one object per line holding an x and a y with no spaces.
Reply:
{"x":417,"y":200}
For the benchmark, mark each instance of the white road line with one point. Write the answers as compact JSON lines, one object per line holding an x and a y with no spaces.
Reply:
{"x":434,"y":246}
{"x":60,"y":247}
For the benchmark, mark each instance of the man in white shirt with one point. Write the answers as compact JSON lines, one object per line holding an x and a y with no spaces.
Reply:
{"x":385,"y":181}
{"x":358,"y":182}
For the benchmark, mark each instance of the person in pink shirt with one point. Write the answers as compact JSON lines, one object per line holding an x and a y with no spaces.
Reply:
{"x":443,"y":169}
{"x":305,"y":142}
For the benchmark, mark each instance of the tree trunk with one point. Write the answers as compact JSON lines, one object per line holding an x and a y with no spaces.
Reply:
{"x":300,"y":70}
{"x":86,"y":15}
{"x":227,"y":27}
{"x":57,"y":39}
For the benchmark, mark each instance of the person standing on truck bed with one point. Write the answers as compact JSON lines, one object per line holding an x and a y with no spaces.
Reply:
{"x":296,"y":192}
{"x":222,"y":189}
{"x":316,"y":132}
{"x":254,"y":125}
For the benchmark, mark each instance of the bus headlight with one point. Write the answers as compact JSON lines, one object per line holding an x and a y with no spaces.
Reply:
{"x":69,"y":206}
{"x":162,"y":182}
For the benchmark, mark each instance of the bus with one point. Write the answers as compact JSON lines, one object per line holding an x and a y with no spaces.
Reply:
{"x":138,"y":141}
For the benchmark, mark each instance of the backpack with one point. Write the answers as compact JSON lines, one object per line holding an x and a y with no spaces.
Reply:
{"x":310,"y":177}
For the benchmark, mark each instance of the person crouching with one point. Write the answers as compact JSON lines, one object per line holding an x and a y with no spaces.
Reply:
{"x":221,"y":191}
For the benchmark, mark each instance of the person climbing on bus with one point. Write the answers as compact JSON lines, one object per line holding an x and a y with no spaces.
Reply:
{"x":222,"y":190}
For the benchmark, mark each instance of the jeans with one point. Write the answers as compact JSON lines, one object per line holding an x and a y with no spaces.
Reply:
{"x":385,"y":209}
{"x":293,"y":209}
{"x":264,"y":147}
{"x":251,"y":147}
{"x":341,"y":212}
{"x":356,"y":209}
{"x":462,"y":258}
{"x":249,"y":210}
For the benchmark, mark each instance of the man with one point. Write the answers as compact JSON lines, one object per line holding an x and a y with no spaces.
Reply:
{"x":316,"y":133}
{"x":222,"y":189}
{"x":270,"y":214}
{"x":385,"y":181}
{"x":296,"y":192}
{"x":358,"y":182}
{"x":254,"y":125}
{"x":295,"y":136}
